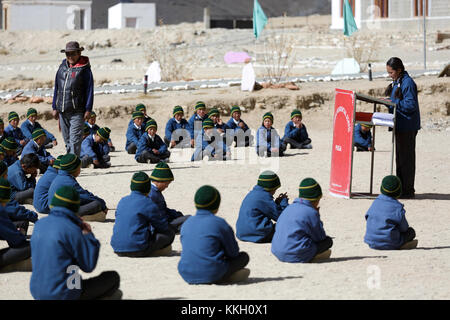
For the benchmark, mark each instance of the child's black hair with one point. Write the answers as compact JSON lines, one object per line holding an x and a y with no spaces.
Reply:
{"x":396,"y":64}
{"x":30,"y":160}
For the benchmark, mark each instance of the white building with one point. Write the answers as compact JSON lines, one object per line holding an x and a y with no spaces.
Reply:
{"x":132,"y":15}
{"x":394,"y":14}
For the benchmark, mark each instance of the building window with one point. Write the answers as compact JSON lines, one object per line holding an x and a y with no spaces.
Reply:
{"x":351,"y":3}
{"x":418,"y":8}
{"x":383,"y":6}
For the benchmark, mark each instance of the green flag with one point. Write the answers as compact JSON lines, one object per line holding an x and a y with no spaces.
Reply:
{"x":259,"y":19}
{"x":349,"y":21}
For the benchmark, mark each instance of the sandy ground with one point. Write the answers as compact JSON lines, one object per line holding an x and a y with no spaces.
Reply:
{"x":416,"y":274}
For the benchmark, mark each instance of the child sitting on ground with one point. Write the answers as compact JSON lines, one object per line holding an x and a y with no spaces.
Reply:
{"x":151,"y":148}
{"x":22,"y":187}
{"x":177,"y":130}
{"x":31,"y":124}
{"x":220,"y":127}
{"x":209,"y":143}
{"x":37,"y":147}
{"x":93,"y":128}
{"x":259,"y":209}
{"x":140,"y":229}
{"x":268,"y":142}
{"x":134,"y":132}
{"x":95,"y":151}
{"x":13,"y":131}
{"x":242,"y":134}
{"x":299,"y":236}
{"x":196,"y":120}
{"x":2,"y":130}
{"x":40,"y":196}
{"x":9,"y":148}
{"x":386,"y":225}
{"x":210,"y":252}
{"x":295,"y":133}
{"x":363,"y":137}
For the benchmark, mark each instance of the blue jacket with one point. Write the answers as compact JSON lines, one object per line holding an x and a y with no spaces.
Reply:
{"x":158,"y":199}
{"x":66,"y":179}
{"x":265,"y":141}
{"x":257,"y":211}
{"x":207,"y":244}
{"x":8,"y":231}
{"x":385,"y":220}
{"x":27,"y":129}
{"x":407,"y":117}
{"x":362,"y":138}
{"x":57,"y":242}
{"x":137,"y":218}
{"x":93,"y":149}
{"x":15,"y":133}
{"x":18,"y":179}
{"x":16,"y":212}
{"x":192,"y":120}
{"x":291,"y":131}
{"x":10,"y":160}
{"x":43,"y":155}
{"x":173,"y":125}
{"x":146,"y":144}
{"x":298,"y":230}
{"x":232,"y":125}
{"x":133,"y":135}
{"x":204,"y":143}
{"x":40,"y":197}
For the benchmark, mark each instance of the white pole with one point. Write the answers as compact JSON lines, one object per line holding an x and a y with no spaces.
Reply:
{"x":424,"y":35}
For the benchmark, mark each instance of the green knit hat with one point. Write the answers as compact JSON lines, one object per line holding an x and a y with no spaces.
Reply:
{"x":391,"y":186}
{"x":2,"y":151}
{"x":310,"y":190}
{"x":296,"y":113}
{"x":70,"y":162}
{"x":366,"y":125}
{"x":67,"y":197}
{"x":137,"y":114}
{"x":57,"y":162}
{"x":235,"y":109}
{"x":9,"y":144}
{"x":200,"y":105}
{"x":140,"y":107}
{"x":31,"y":112}
{"x":5,"y":190}
{"x":207,"y":198}
{"x":140,"y":182}
{"x":162,"y":172}
{"x":213,"y":111}
{"x":3,"y":168}
{"x":12,"y":115}
{"x":268,"y":115}
{"x":93,"y":115}
{"x":207,"y":123}
{"x":104,"y":133}
{"x":37,"y":133}
{"x":86,"y":129}
{"x":151,"y":124}
{"x":269,"y":180}
{"x":177,"y":109}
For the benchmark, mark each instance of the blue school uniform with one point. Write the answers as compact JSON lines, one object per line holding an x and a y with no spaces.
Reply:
{"x":363,"y":139}
{"x":235,"y":126}
{"x":66,"y":179}
{"x":298,"y":134}
{"x":147,"y":144}
{"x":209,"y":144}
{"x":256,"y":213}
{"x":207,"y":243}
{"x":173,"y":125}
{"x":134,"y":133}
{"x":16,"y":212}
{"x":27,"y":129}
{"x":158,"y":199}
{"x":385,"y":221}
{"x":94,"y":150}
{"x":15,"y":133}
{"x":93,"y":130}
{"x":32,"y":147}
{"x":298,"y":230}
{"x":18,"y":179}
{"x":10,"y":160}
{"x":9,"y":232}
{"x":192,"y":120}
{"x":57,"y":242}
{"x":40,"y":196}
{"x":137,"y":219}
{"x":265,"y":141}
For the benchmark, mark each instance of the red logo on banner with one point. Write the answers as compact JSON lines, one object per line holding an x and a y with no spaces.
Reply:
{"x":341,"y":154}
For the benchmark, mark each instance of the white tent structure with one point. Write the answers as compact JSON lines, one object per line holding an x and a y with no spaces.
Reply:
{"x":132,"y":15}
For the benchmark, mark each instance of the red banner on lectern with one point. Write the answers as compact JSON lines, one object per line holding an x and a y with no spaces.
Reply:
{"x":341,"y":154}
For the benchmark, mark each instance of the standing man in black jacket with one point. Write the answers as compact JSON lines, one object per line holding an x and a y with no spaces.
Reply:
{"x":73,"y":96}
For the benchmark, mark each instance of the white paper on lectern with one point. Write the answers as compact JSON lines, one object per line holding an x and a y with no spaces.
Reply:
{"x":154,"y":72}
{"x":248,"y":78}
{"x":383,"y":119}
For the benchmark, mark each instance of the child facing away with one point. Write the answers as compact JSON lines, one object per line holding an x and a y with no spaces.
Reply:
{"x":95,"y":151}
{"x":140,"y":228}
{"x":242,"y":134}
{"x":362,"y":137}
{"x":151,"y":148}
{"x":259,"y":211}
{"x":40,"y":196}
{"x":268,"y":142}
{"x":134,"y":132}
{"x":386,"y":224}
{"x":300,"y":236}
{"x":31,"y":124}
{"x":295,"y":133}
{"x":61,"y":245}
{"x":177,"y":134}
{"x":13,"y":131}
{"x":210,"y":253}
